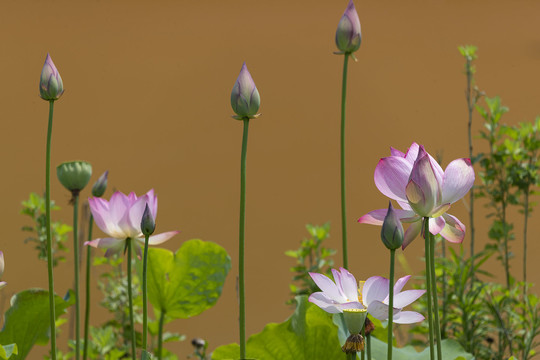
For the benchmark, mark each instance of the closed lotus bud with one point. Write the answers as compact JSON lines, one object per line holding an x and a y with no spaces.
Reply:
{"x":101,"y":185}
{"x":348,"y":33}
{"x":74,"y":175}
{"x":245,"y":99}
{"x":392,"y":229}
{"x":50,"y":85}
{"x":148,"y":224}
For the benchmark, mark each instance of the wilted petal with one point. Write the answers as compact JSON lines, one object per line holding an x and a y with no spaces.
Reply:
{"x":375,"y":289}
{"x":405,"y":298}
{"x":391,"y":177}
{"x":408,"y":317}
{"x":436,"y":225}
{"x":454,"y":230}
{"x":457,"y":180}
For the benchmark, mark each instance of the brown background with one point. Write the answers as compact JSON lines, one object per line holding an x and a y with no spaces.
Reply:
{"x":147,"y":97}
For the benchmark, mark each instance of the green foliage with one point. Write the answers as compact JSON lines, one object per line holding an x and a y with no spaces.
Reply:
{"x":185,"y":283}
{"x":34,"y":207}
{"x":6,"y":351}
{"x":312,"y":256}
{"x":27,"y":319}
{"x":308,"y":334}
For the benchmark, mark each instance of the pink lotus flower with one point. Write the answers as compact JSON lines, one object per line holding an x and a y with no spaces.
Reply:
{"x":349,"y":32}
{"x":344,"y":294}
{"x":422,"y":189}
{"x":120,"y":218}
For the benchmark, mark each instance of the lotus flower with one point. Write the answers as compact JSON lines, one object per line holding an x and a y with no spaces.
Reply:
{"x":120,"y":218}
{"x":422,"y":189}
{"x":245,"y":99}
{"x":344,"y":294}
{"x":51,"y":86}
{"x":348,"y":33}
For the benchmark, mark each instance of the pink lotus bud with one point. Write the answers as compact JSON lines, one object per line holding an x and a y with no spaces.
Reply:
{"x":348,"y":33}
{"x":101,"y":185}
{"x":392,"y":231}
{"x":245,"y":99}
{"x":50,"y":85}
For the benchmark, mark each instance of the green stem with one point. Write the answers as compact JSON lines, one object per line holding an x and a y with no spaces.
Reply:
{"x":241,"y":243}
{"x":437,"y":326}
{"x":87,"y":310}
{"x":160,"y":334}
{"x":470,"y":108}
{"x":52,"y":315}
{"x":76,"y":270}
{"x":506,"y":251}
{"x":391,"y":303}
{"x":428,"y":287}
{"x":368,"y":346}
{"x":130,"y":297}
{"x":351,"y":356}
{"x":343,"y":192}
{"x":525,"y":222}
{"x":363,"y":352}
{"x":444,"y":302}
{"x":144,"y":290}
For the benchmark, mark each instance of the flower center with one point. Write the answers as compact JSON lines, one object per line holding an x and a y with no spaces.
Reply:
{"x":360,"y":288}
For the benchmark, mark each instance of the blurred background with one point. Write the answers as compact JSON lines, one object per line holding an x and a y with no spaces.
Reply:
{"x":147,"y":98}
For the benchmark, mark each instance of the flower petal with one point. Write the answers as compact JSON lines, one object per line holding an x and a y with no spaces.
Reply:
{"x":457,"y":180}
{"x":396,"y":152}
{"x":400,"y":284}
{"x":161,"y":238}
{"x":412,"y":233}
{"x":379,"y":310}
{"x":376,"y":217}
{"x":454,"y":230}
{"x":425,"y":195}
{"x":412,"y":153}
{"x":328,"y":287}
{"x":375,"y":289}
{"x":391,"y":177}
{"x":436,"y":225}
{"x":324,"y":302}
{"x":405,"y":298}
{"x":100,"y":211}
{"x":408,"y":317}
{"x":349,"y":285}
{"x":111,"y":244}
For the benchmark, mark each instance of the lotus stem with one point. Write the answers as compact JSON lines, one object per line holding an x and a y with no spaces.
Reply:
{"x":428,"y":286}
{"x":87,"y":310}
{"x":437,"y":327}
{"x":391,"y":303}
{"x":343,"y":190}
{"x":368,"y":346}
{"x":130,"y":297}
{"x":241,"y":242}
{"x":160,"y":334}
{"x":76,"y":270}
{"x":52,"y":315}
{"x":144,"y":291}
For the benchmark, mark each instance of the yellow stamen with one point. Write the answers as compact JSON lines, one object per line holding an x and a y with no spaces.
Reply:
{"x":360,"y":288}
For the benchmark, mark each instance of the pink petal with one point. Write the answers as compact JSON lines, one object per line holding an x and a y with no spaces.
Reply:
{"x":401,"y":283}
{"x":391,"y":177}
{"x":375,"y":289}
{"x":324,"y":302}
{"x":376,"y":217}
{"x":436,"y":225}
{"x":328,"y":287}
{"x":111,"y":244}
{"x":396,"y":152}
{"x":412,"y":153}
{"x":405,"y":298}
{"x":454,"y":230}
{"x":411,"y":233}
{"x":379,"y":310}
{"x":152,"y":202}
{"x":408,"y":317}
{"x":100,"y":212}
{"x":132,"y":221}
{"x":118,"y":207}
{"x":337,"y":280}
{"x":457,"y":181}
{"x":349,"y":285}
{"x":161,"y":238}
{"x":426,"y":184}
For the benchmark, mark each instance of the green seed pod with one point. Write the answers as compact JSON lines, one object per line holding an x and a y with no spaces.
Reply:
{"x":74,"y":175}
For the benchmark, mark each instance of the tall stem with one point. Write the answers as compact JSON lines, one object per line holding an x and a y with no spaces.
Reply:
{"x":470,"y":108}
{"x":241,"y":244}
{"x":391,"y":303}
{"x":76,"y":270}
{"x":343,"y":191}
{"x":444,"y":304}
{"x":130,"y":298}
{"x":87,"y":310}
{"x":428,"y":287}
{"x":437,"y":326}
{"x":52,"y":315}
{"x":368,"y":346}
{"x":506,"y":251}
{"x":363,"y":352}
{"x":144,"y":293}
{"x":160,"y":334}
{"x":525,"y":222}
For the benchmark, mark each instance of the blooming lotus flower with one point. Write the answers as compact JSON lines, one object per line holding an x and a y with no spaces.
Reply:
{"x":120,"y":218}
{"x":51,"y":86}
{"x":348,"y":33}
{"x":422,"y":189}
{"x":245,"y":99}
{"x":343,"y":294}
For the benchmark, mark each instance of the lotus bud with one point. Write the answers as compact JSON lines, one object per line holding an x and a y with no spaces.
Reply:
{"x":392,"y":229}
{"x":74,"y":175}
{"x":101,"y":185}
{"x":148,"y":224}
{"x":348,"y":33}
{"x":245,"y":99}
{"x":50,"y":85}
